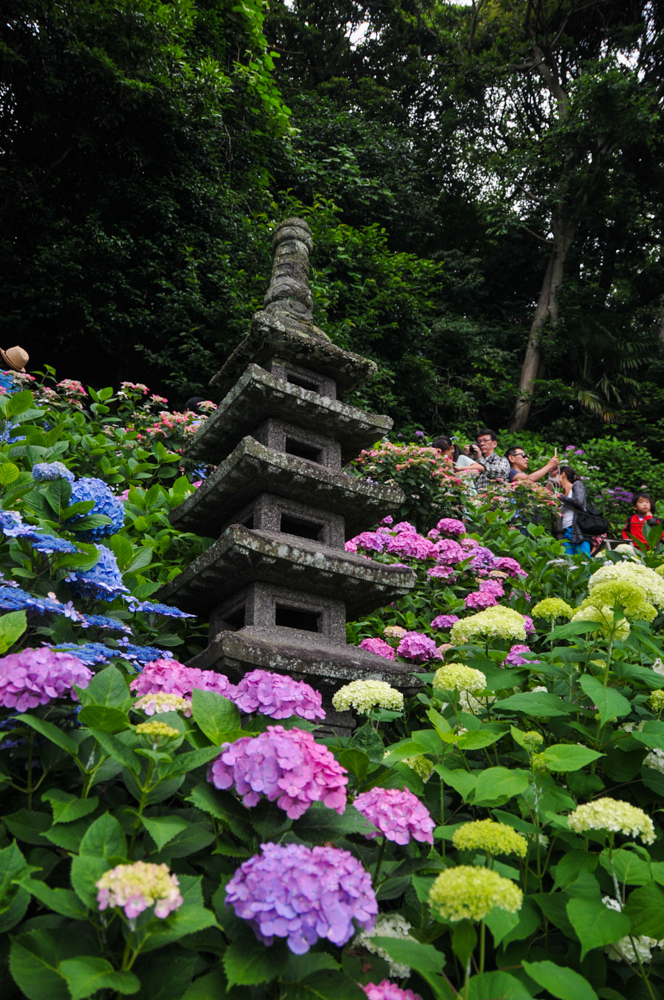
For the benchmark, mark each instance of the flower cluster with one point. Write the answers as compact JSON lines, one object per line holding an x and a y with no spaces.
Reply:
{"x":397,"y":814}
{"x":36,"y":676}
{"x":656,"y":700}
{"x":552,"y":607}
{"x":171,"y":677}
{"x":631,"y":948}
{"x":458,"y":677}
{"x":285,"y":765}
{"x":451,"y":526}
{"x":156,"y":731}
{"x":614,"y":816}
{"x":363,"y":696}
{"x":136,"y":887}
{"x":45,"y":471}
{"x":490,"y":837}
{"x":390,"y":925}
{"x":148,"y":608}
{"x":105,"y":502}
{"x":303,"y":894}
{"x":515,"y":658}
{"x":604,"y":617}
{"x":389,"y":991}
{"x":418,"y":647}
{"x":650,"y":581}
{"x":468,"y":893}
{"x":277,"y":696}
{"x":444,"y":621}
{"x":101,"y":581}
{"x":499,"y":622}
{"x":161,"y":701}
{"x":379,"y":647}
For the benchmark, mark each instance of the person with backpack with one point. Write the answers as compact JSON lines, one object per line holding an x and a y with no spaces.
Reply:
{"x":574,"y":505}
{"x":644,"y":513}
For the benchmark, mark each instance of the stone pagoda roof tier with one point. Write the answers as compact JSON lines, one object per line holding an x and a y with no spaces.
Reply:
{"x":259,"y":394}
{"x":243,"y":555}
{"x":306,"y":656}
{"x":307,"y":347}
{"x":252,"y":468}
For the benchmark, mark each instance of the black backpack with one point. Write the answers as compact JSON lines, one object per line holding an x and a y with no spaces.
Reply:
{"x":591,"y":521}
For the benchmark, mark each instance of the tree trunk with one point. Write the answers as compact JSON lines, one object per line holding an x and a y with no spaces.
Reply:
{"x":546,"y":312}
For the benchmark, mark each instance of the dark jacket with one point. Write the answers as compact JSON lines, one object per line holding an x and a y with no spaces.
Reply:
{"x":576,"y":500}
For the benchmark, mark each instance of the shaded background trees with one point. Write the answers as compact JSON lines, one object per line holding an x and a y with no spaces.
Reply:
{"x":148,"y":149}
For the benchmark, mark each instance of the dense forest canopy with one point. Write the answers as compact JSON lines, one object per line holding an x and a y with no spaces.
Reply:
{"x":484,"y":182}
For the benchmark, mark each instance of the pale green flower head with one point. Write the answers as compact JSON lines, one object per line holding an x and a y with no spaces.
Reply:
{"x":604,"y":618}
{"x":157,"y":731}
{"x":492,"y":623}
{"x":365,"y":695}
{"x":468,"y":893}
{"x":421,"y":765}
{"x":656,"y":700}
{"x":490,"y":837}
{"x":614,"y":816}
{"x":552,"y":607}
{"x":458,"y":677}
{"x":649,"y":580}
{"x":625,"y":594}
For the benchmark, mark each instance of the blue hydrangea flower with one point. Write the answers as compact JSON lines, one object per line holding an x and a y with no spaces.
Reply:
{"x":142,"y":654}
{"x":89,"y":652}
{"x":157,"y":609}
{"x":50,"y":543}
{"x":103,"y":581}
{"x":103,"y":621}
{"x":11,"y":524}
{"x":7,"y":382}
{"x":16,"y":599}
{"x":105,"y":502}
{"x":44,"y":471}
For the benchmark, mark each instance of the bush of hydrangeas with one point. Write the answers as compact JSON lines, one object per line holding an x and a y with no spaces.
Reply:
{"x":168,"y":832}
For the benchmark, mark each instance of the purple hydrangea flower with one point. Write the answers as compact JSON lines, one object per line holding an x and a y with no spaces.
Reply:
{"x":105,"y":502}
{"x":388,"y":520}
{"x":45,"y":471}
{"x":285,"y":765}
{"x":479,"y":600}
{"x":449,"y":551}
{"x":303,"y":894}
{"x":418,"y":647}
{"x":372,"y":541}
{"x":419,"y":434}
{"x":36,"y":676}
{"x":278,"y":696}
{"x":379,"y":647}
{"x":514,"y":657}
{"x":509,"y":566}
{"x":451,"y":526}
{"x":483,"y":558}
{"x":444,"y":621}
{"x":441,"y":572}
{"x":172,"y":677}
{"x":102,"y":581}
{"x":397,"y":814}
{"x":388,"y":991}
{"x":412,"y":545}
{"x":528,"y":623}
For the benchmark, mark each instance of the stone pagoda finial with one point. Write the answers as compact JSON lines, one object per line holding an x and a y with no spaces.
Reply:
{"x":289,"y":286}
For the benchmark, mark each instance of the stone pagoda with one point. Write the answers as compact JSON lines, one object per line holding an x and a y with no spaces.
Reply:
{"x":277,"y":584}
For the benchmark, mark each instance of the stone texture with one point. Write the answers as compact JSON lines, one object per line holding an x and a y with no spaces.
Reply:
{"x":252,"y":469}
{"x":243,"y":555}
{"x":271,"y":513}
{"x":270,"y":337}
{"x":259,"y":395}
{"x":268,"y":605}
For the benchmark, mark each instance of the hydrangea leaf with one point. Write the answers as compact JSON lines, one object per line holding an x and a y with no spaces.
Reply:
{"x":564,"y":757}
{"x":247,"y":962}
{"x":12,"y":627}
{"x":325,"y":985}
{"x":421,"y":957}
{"x":645,"y":908}
{"x":51,"y":732}
{"x":88,"y":974}
{"x":497,"y":785}
{"x":104,"y":839}
{"x":34,"y":961}
{"x":610,"y":703}
{"x":66,"y":807}
{"x":490,"y":985}
{"x":214,"y":714}
{"x":565,"y":984}
{"x":596,"y":924}
{"x":541,"y":704}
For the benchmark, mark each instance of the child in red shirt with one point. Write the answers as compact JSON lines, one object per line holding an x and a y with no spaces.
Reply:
{"x":644,"y":511}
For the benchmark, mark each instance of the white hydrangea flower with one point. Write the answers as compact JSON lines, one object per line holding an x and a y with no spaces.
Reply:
{"x":624,"y":950}
{"x":651,"y":582}
{"x":390,"y":925}
{"x":365,"y":695}
{"x":614,"y":816}
{"x":655,"y":759}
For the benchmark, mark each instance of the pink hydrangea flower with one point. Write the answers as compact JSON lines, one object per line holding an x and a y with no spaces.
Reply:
{"x":528,"y":624}
{"x":479,"y":600}
{"x":494,"y":587}
{"x":388,"y":520}
{"x":444,"y":621}
{"x":451,"y":526}
{"x":388,"y":991}
{"x":514,"y":657}
{"x":172,"y":677}
{"x":278,"y":696}
{"x":469,"y":543}
{"x":303,"y":894}
{"x":285,"y":765}
{"x":372,"y":541}
{"x":418,"y":647}
{"x":135,"y":887}
{"x":36,"y":676}
{"x":441,"y":572}
{"x":378,"y":646}
{"x":509,"y":566}
{"x":397,"y":814}
{"x":404,"y":526}
{"x":449,"y":551}
{"x":412,"y":545}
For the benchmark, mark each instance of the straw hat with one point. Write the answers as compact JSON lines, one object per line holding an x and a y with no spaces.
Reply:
{"x":15,"y":358}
